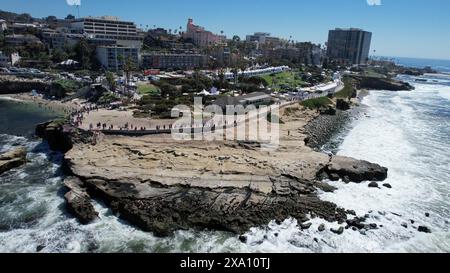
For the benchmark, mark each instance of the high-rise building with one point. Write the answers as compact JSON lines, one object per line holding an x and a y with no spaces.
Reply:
{"x":114,"y":57}
{"x":200,"y":36}
{"x":109,"y":28}
{"x":350,"y":46}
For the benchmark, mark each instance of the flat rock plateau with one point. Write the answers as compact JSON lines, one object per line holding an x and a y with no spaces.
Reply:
{"x":162,"y":185}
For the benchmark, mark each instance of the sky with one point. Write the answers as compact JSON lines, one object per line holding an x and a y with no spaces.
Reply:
{"x":401,"y":28}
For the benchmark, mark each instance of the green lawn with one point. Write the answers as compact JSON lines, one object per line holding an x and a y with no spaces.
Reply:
{"x":317,"y":103}
{"x":347,"y":91}
{"x":287,"y":78}
{"x":145,"y":89}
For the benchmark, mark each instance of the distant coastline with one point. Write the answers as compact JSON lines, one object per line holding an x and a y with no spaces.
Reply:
{"x":436,"y":64}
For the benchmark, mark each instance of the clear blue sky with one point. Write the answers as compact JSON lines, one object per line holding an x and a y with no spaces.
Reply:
{"x":404,"y":28}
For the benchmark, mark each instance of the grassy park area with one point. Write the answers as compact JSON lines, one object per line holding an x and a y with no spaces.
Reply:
{"x":317,"y":103}
{"x":348,"y":90}
{"x":284,"y":80}
{"x":147,"y":89}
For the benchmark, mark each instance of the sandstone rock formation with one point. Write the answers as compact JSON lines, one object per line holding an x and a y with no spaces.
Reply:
{"x":12,"y":159}
{"x":348,"y":169}
{"x":163,"y":185}
{"x":79,"y":201}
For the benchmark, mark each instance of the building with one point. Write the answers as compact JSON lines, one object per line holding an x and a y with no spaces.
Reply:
{"x":173,"y":61}
{"x":21,"y":39}
{"x":9,"y":60}
{"x":305,"y":53}
{"x":3,"y":25}
{"x":108,"y":28}
{"x":264,"y":38}
{"x":349,"y":46}
{"x":200,"y":36}
{"x":113,"y":57}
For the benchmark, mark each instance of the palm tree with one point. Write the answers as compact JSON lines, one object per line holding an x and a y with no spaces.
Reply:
{"x":128,"y":66}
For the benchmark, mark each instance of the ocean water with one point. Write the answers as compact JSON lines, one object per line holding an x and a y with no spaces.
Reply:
{"x":407,"y":132}
{"x":439,"y":65}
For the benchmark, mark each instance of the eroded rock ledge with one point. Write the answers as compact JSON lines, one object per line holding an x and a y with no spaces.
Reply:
{"x":13,"y":159}
{"x":162,"y":185}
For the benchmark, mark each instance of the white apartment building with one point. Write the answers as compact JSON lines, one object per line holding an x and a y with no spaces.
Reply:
{"x":113,"y":57}
{"x":107,"y":27}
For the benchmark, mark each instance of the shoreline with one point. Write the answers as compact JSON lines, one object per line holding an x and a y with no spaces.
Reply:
{"x":162,"y":185}
{"x":56,"y":106}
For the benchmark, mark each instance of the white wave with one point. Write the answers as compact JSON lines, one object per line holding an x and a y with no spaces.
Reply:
{"x":7,"y":98}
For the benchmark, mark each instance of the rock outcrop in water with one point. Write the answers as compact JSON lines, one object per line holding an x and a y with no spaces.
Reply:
{"x":347,"y":169}
{"x":79,"y":201}
{"x":61,"y":136}
{"x":377,"y":83}
{"x":163,"y":185}
{"x":13,"y":159}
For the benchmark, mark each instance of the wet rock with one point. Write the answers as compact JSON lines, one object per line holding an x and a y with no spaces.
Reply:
{"x":243,"y":239}
{"x":321,"y":228}
{"x":373,"y":226}
{"x":338,"y":231}
{"x":79,"y":201}
{"x":354,"y":170}
{"x":405,"y":225}
{"x":427,"y":214}
{"x":13,"y":159}
{"x":387,"y":185}
{"x":305,"y":225}
{"x":351,"y":212}
{"x":412,"y":221}
{"x":373,"y":185}
{"x":356,"y":222}
{"x":424,"y":229}
{"x":39,"y":248}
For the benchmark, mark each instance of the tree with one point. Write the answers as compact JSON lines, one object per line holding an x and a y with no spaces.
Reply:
{"x":236,"y":38}
{"x":51,"y":19}
{"x":59,"y":55}
{"x":129,"y":66}
{"x":111,"y":81}
{"x":83,"y":54}
{"x":70,"y":17}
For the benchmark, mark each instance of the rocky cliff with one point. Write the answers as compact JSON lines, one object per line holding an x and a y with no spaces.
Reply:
{"x":22,"y":86}
{"x":376,"y":83}
{"x":163,"y":185}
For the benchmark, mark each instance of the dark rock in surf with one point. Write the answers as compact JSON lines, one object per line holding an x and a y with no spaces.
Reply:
{"x":321,"y":227}
{"x":424,"y":229}
{"x":338,"y":231}
{"x":305,"y":226}
{"x":79,"y":201}
{"x":354,"y":170}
